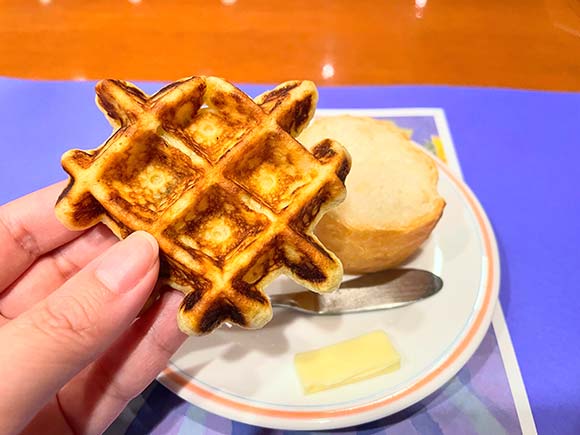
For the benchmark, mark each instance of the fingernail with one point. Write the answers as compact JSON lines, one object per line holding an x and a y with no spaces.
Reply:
{"x":126,"y":263}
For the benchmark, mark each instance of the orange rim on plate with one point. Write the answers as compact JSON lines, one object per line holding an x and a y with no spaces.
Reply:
{"x":183,"y":382}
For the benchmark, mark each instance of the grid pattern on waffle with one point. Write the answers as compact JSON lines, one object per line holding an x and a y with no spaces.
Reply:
{"x":230,"y":196}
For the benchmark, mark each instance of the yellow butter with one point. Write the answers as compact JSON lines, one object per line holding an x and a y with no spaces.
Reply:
{"x":347,"y":362}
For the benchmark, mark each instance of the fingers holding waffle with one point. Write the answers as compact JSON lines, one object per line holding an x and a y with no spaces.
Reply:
{"x":218,"y":179}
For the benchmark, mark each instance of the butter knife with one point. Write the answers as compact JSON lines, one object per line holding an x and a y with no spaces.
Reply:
{"x":377,"y":291}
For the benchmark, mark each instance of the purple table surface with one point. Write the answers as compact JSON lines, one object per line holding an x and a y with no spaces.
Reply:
{"x":519,"y":151}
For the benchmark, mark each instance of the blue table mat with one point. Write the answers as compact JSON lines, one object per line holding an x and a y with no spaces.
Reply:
{"x":519,"y":151}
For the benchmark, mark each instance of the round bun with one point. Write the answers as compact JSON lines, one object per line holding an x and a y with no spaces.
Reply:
{"x":392,"y":203}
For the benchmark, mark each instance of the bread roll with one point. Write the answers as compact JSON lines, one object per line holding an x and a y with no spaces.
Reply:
{"x":392,"y":203}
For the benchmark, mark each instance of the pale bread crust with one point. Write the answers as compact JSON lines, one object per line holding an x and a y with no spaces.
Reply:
{"x":366,"y":239}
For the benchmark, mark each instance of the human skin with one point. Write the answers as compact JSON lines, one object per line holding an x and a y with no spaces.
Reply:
{"x":74,"y":350}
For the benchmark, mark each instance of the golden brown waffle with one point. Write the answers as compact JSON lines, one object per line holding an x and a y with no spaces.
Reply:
{"x":218,"y":179}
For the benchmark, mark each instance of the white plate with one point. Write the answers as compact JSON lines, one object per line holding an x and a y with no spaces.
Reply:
{"x":249,"y":376}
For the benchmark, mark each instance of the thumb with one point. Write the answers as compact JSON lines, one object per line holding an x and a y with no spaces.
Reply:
{"x":46,"y":346}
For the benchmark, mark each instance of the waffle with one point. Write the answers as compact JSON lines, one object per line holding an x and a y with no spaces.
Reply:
{"x":219,"y":180}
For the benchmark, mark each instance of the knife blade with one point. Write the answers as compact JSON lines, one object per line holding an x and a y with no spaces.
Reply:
{"x":377,"y":291}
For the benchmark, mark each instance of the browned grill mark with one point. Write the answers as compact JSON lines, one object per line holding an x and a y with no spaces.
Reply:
{"x":239,"y":99}
{"x":67,"y":189}
{"x":301,"y":112}
{"x":249,"y":291}
{"x":219,"y":100}
{"x":323,"y":151}
{"x":168,"y":116}
{"x":87,"y":210}
{"x":343,"y":170}
{"x":76,"y":158}
{"x":307,"y":271}
{"x":293,"y":118}
{"x":220,"y":311}
{"x":126,"y":207}
{"x":179,"y":274}
{"x":303,"y":219}
{"x":166,"y":266}
{"x":165,"y":89}
{"x":123,"y":229}
{"x":137,"y":93}
{"x":82,"y":159}
{"x":109,"y":107}
{"x":280,"y":93}
{"x":188,"y":142}
{"x":191,"y":299}
{"x":95,"y":153}
{"x":106,"y":90}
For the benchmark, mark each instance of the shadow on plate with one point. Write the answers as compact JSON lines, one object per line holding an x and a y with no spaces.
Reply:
{"x":232,"y":344}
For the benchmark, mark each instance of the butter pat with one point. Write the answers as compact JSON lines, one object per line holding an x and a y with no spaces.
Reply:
{"x":347,"y":362}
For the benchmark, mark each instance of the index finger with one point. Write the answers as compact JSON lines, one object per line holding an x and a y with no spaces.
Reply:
{"x":29,"y":229}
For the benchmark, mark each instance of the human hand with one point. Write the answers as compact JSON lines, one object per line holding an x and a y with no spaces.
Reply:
{"x":72,"y":354}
